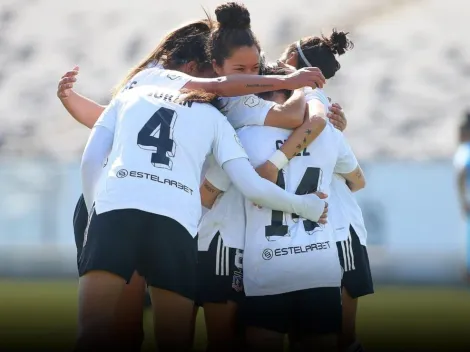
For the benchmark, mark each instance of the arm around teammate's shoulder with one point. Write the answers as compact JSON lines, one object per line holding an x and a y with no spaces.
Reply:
{"x":240,"y":84}
{"x":288,"y":115}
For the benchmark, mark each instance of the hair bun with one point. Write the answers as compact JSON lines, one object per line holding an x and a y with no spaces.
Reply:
{"x":233,"y":15}
{"x":339,"y":42}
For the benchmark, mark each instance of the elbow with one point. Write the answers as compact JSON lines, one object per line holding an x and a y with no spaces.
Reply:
{"x":293,"y":121}
{"x":358,"y":185}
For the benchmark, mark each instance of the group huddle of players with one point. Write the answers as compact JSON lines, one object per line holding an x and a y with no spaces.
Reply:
{"x":278,"y":246}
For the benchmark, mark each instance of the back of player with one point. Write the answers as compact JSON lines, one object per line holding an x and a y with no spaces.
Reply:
{"x":280,"y":247}
{"x":147,"y":202}
{"x":292,"y":275}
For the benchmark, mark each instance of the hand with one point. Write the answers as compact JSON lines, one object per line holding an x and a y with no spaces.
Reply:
{"x":337,"y":117}
{"x":316,"y":209}
{"x":323,"y":218}
{"x":66,"y":83}
{"x":288,"y":68}
{"x":305,"y":77}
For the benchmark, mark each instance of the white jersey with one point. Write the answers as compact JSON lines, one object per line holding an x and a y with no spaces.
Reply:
{"x":159,"y":149}
{"x":282,"y":252}
{"x":343,"y":207}
{"x":227,"y":215}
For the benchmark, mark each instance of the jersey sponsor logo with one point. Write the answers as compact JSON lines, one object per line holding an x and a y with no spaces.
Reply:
{"x":269,"y":254}
{"x":252,"y":101}
{"x":123,"y":173}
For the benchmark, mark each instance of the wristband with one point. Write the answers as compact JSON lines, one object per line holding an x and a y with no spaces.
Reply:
{"x":279,"y":159}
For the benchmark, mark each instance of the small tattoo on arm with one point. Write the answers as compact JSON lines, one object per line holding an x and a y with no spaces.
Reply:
{"x":305,"y":140}
{"x":308,"y":132}
{"x":299,"y":146}
{"x":259,"y":86}
{"x":209,"y":188}
{"x":358,"y":174}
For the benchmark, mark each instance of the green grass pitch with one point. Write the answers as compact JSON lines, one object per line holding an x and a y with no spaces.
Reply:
{"x":32,"y":313}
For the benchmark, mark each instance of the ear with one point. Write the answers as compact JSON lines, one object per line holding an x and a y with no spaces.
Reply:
{"x":217,"y":69}
{"x":191,"y":67}
{"x":293,"y":59}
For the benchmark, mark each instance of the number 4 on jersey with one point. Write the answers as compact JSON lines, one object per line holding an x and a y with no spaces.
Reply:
{"x":157,"y":136}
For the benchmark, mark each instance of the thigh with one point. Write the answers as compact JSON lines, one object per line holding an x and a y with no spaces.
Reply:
{"x":273,"y":313}
{"x":111,"y":243}
{"x":317,"y":311}
{"x":170,"y":257}
{"x":357,"y":276}
{"x":80,"y":221}
{"x":220,"y":276}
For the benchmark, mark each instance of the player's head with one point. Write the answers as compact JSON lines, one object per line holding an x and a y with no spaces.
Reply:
{"x":278,"y":96}
{"x":318,"y":52}
{"x":182,"y":49}
{"x":232,"y":46}
{"x":464,"y":128}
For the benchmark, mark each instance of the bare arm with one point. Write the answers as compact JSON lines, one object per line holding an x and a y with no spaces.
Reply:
{"x":82,"y":109}
{"x":209,"y":194}
{"x":355,"y":180}
{"x":288,"y":115}
{"x":299,"y":139}
{"x":239,"y":84}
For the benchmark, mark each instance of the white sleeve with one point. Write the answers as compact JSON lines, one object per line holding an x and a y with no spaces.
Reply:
{"x":267,"y":194}
{"x":108,"y":117}
{"x":346,"y":161}
{"x":96,"y":151}
{"x":226,"y":144}
{"x":247,"y":110}
{"x":218,"y":178}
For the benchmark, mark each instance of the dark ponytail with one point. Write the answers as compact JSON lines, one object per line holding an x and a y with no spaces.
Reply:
{"x":232,"y":31}
{"x":320,"y":51}
{"x":185,"y":44}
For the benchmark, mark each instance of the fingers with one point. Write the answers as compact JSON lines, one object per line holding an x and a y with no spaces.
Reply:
{"x":321,"y":195}
{"x":317,"y":76}
{"x":324,"y":217}
{"x":337,"y":118}
{"x":336,"y":105}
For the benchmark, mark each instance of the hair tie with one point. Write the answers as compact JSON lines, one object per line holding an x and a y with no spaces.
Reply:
{"x":301,"y":53}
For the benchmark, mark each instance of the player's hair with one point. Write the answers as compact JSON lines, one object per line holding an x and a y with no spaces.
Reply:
{"x":273,"y":69}
{"x":231,"y":31}
{"x":199,"y":96}
{"x":320,"y":51}
{"x":178,"y":47}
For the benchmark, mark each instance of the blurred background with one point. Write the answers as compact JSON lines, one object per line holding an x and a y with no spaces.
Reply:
{"x":405,"y":88}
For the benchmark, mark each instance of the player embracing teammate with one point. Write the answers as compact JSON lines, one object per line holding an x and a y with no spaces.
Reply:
{"x":140,"y":212}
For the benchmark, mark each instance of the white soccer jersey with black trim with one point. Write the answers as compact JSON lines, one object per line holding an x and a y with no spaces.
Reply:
{"x":343,"y":207}
{"x":159,"y":150}
{"x":227,"y":215}
{"x":282,"y":252}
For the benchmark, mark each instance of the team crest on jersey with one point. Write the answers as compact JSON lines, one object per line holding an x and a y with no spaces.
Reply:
{"x":237,"y":282}
{"x":238,"y":140}
{"x":252,"y":101}
{"x":173,"y":76}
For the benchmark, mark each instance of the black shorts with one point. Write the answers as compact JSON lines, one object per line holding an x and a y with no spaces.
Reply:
{"x":305,"y":312}
{"x":80,"y":221}
{"x":159,"y":248}
{"x":220,"y":273}
{"x":357,"y":277}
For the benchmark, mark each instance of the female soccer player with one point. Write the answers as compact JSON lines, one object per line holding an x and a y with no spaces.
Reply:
{"x":346,"y":213}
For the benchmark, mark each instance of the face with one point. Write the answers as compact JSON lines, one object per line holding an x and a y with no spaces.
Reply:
{"x":244,"y":60}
